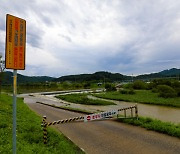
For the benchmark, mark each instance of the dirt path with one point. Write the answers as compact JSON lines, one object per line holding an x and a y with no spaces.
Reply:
{"x":108,"y":136}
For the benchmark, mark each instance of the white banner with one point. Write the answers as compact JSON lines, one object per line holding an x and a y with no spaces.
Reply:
{"x":101,"y":115}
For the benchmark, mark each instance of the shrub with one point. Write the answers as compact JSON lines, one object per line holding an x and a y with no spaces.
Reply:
{"x":151,"y":85}
{"x":123,"y":91}
{"x":138,"y":84}
{"x":128,"y":86}
{"x":110,"y":87}
{"x":77,"y":85}
{"x":175,"y":84}
{"x":166,"y":91}
{"x":131,"y":91}
{"x":87,"y":85}
{"x":178,"y":91}
{"x":155,"y":90}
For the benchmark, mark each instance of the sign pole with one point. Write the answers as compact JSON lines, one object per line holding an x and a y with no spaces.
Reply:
{"x":14,"y":109}
{"x":15,"y":57}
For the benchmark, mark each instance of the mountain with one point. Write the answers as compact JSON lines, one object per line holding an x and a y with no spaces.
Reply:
{"x":171,"y":72}
{"x":107,"y":76}
{"x":174,"y":72}
{"x":22,"y":79}
{"x":98,"y":76}
{"x":7,"y":77}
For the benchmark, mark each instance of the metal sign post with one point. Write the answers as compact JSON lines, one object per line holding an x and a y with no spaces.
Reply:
{"x":14,"y":109}
{"x":15,"y":57}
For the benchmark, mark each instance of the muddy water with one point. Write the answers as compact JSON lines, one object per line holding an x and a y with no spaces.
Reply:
{"x":158,"y":112}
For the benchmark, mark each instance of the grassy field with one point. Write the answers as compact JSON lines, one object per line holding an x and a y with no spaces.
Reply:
{"x":29,"y":131}
{"x":83,"y":99}
{"x":141,"y":96}
{"x":155,"y":125}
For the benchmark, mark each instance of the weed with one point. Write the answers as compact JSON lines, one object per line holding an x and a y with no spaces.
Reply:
{"x":29,"y":131}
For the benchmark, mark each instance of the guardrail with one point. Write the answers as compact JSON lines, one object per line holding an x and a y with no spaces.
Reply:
{"x":91,"y":117}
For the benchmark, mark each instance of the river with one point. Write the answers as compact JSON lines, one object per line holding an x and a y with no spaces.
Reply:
{"x":167,"y":114}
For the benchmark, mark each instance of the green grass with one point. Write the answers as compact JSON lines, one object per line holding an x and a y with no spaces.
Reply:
{"x":155,"y":125}
{"x":68,"y":108}
{"x":83,"y":99}
{"x":142,"y":96}
{"x":29,"y":131}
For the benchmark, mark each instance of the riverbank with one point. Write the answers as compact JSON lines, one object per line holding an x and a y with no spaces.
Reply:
{"x":154,"y":125}
{"x":141,"y":96}
{"x":165,"y":114}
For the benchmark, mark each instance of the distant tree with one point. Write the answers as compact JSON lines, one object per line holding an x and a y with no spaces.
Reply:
{"x":110,"y":87}
{"x":138,"y":84}
{"x":166,"y":91}
{"x":86,"y":85}
{"x":128,"y":86}
{"x":65,"y":85}
{"x":127,"y":91}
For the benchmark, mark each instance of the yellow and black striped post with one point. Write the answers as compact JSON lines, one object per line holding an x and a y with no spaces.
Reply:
{"x":44,"y":130}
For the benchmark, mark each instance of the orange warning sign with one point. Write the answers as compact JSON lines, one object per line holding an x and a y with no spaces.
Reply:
{"x":15,"y":43}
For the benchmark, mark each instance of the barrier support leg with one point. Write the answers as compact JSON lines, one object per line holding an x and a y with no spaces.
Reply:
{"x":136,"y":111}
{"x":44,"y":130}
{"x":131,"y":112}
{"x":125,"y":113}
{"x":118,"y":115}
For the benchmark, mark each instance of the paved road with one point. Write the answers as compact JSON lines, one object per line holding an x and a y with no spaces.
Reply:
{"x":108,"y":136}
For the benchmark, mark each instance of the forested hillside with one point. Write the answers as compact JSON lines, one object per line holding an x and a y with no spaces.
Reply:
{"x":7,"y":78}
{"x":102,"y":76}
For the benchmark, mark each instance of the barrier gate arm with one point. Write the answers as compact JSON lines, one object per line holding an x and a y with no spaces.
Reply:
{"x":45,"y":124}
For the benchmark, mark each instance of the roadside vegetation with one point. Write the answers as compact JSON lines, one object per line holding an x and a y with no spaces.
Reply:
{"x":83,"y":99}
{"x":155,"y":125}
{"x":158,"y":92}
{"x":29,"y":131}
{"x":141,"y":96}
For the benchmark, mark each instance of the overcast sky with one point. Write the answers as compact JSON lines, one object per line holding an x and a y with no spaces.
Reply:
{"x":84,"y":36}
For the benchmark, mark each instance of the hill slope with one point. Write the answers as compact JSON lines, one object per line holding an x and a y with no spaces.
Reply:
{"x":98,"y":76}
{"x":8,"y":78}
{"x":174,"y":72}
{"x":101,"y":76}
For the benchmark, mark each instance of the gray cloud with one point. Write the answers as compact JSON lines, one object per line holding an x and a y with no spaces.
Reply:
{"x":66,"y":37}
{"x":34,"y":37}
{"x":87,"y":36}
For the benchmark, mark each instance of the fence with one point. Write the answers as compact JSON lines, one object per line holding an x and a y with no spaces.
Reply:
{"x":91,"y":117}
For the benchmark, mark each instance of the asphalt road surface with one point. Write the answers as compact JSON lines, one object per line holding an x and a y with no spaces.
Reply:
{"x":109,"y":136}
